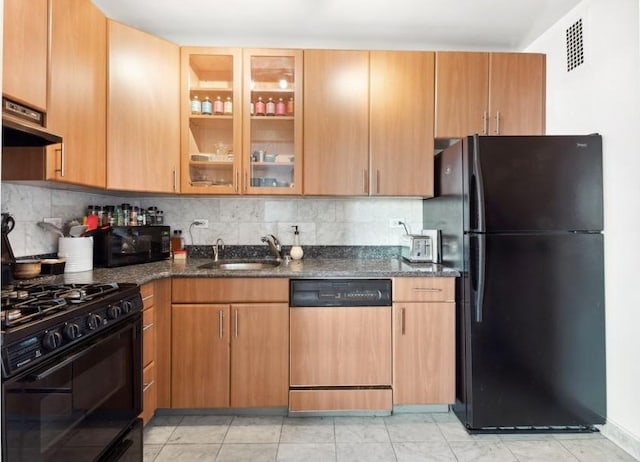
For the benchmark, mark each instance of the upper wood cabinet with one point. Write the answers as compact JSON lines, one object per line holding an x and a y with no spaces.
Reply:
{"x":336,"y":122}
{"x":211,"y":141}
{"x":77,"y":105}
{"x":401,"y":123}
{"x":489,"y":94}
{"x":517,"y":93}
{"x":143,"y":132}
{"x":272,"y":121}
{"x":24,"y":61}
{"x":368,"y":123}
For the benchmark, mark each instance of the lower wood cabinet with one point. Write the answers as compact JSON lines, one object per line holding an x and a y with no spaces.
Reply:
{"x":423,"y":341}
{"x":232,"y":351}
{"x":156,"y":332}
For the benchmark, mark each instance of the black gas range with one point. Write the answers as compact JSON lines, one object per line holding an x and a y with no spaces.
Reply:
{"x":41,"y":320}
{"x":71,"y":372}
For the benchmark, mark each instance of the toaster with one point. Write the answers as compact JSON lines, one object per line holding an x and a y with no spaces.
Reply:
{"x":423,"y":247}
{"x":417,"y":247}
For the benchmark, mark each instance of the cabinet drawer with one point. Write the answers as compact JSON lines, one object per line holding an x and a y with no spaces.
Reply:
{"x":148,"y":336}
{"x":340,"y":400}
{"x":230,"y":290}
{"x":149,"y":392}
{"x":146,"y":291}
{"x":424,"y":289}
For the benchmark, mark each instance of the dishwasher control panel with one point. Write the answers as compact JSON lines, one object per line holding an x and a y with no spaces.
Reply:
{"x":340,"y":292}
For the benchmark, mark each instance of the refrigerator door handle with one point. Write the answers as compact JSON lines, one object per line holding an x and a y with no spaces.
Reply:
{"x":477,"y":190}
{"x":479,"y":274}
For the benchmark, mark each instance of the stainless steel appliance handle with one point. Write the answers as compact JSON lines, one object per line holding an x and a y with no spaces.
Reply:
{"x":479,"y":274}
{"x":477,"y":190}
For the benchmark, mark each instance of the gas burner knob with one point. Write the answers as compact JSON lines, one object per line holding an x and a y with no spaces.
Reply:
{"x":71,"y":331}
{"x":114,"y":312}
{"x":52,"y":340}
{"x":126,"y":306}
{"x":94,"y":321}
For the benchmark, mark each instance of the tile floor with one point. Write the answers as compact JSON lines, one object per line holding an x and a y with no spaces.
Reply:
{"x":401,"y":437}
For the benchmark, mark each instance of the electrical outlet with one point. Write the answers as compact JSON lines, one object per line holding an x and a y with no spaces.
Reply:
{"x":200,"y":223}
{"x":54,"y":221}
{"x":396,"y":222}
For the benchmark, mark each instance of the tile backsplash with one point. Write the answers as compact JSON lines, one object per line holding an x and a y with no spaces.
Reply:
{"x":237,"y":220}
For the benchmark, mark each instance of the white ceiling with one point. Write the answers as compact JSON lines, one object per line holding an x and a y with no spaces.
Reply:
{"x":374,"y":24}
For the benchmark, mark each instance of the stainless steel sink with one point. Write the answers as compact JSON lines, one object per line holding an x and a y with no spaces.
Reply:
{"x":240,"y":265}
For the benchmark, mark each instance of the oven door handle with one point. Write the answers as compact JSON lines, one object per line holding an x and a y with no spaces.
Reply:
{"x":66,"y":361}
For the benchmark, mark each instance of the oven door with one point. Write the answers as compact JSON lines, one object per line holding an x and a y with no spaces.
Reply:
{"x":79,"y":405}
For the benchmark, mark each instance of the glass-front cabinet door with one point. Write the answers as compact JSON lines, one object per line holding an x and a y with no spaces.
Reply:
{"x":272,"y":122}
{"x":211,"y":115}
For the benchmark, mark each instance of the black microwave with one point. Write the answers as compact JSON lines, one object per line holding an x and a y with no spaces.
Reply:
{"x":130,"y":245}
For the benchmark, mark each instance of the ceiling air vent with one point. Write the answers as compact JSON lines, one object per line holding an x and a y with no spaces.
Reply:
{"x":575,"y":51}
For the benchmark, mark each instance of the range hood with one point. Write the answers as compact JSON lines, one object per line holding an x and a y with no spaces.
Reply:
{"x":20,"y":127}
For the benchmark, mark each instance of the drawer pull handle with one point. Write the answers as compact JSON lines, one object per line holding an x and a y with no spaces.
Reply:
{"x":147,"y":326}
{"x":427,"y":289}
{"x":146,"y":386}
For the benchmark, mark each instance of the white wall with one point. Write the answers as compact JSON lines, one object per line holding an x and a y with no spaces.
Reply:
{"x":603,"y":95}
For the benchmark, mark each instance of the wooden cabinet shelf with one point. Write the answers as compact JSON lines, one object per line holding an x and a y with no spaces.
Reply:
{"x":199,"y":117}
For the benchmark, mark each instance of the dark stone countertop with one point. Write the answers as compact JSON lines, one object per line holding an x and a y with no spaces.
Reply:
{"x":305,"y":268}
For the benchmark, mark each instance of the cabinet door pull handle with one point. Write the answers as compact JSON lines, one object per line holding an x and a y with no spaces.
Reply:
{"x":402,"y":320}
{"x":146,"y":386}
{"x":147,"y":326}
{"x":235,"y":322}
{"x":378,"y":181}
{"x":485,"y":122}
{"x":175,"y":180}
{"x":246,"y":181}
{"x":147,"y":297}
{"x":220,"y":324}
{"x":61,"y":151}
{"x":365,"y":181}
{"x":497,"y":122}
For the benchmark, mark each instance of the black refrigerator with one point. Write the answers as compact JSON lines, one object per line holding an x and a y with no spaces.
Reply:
{"x":521,"y":218}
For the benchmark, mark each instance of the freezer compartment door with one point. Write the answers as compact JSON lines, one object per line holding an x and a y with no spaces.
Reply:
{"x":535,"y":353}
{"x":534,"y":183}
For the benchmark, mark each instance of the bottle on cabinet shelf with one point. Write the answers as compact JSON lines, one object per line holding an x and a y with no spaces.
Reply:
{"x":281,"y":108}
{"x":290,"y":106}
{"x":228,"y":106}
{"x":260,"y":107}
{"x":196,"y":105}
{"x":271,"y":107}
{"x":218,"y":106}
{"x":207,"y":107}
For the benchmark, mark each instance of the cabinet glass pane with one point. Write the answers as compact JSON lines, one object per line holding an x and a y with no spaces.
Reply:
{"x":211,"y":93}
{"x":272,"y":151}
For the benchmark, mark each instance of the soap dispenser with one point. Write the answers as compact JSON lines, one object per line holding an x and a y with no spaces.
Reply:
{"x":296,"y":251}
